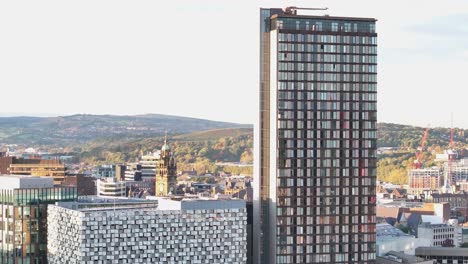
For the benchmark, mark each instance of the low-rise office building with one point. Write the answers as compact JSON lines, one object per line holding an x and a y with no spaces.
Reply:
{"x":23,"y":216}
{"x":33,"y":166}
{"x":112,"y":230}
{"x":437,"y":235}
{"x":394,"y":257}
{"x":454,"y":199}
{"x":104,"y":171}
{"x":425,"y":179}
{"x":149,"y":163}
{"x":462,"y":235}
{"x":111,"y":187}
{"x":443,"y":255}
{"x":133,"y":172}
{"x":85,"y":184}
{"x":390,"y":238}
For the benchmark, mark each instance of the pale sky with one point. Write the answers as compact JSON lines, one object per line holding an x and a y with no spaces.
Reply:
{"x":200,"y":58}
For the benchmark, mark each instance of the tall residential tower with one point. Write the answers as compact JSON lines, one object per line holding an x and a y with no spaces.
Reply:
{"x":315,"y":170}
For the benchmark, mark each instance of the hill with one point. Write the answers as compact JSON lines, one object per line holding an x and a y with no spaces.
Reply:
{"x":198,"y":143}
{"x":69,"y":130}
{"x":215,"y":134}
{"x":393,"y":167}
{"x":203,"y":149}
{"x":199,"y":150}
{"x":404,"y":136}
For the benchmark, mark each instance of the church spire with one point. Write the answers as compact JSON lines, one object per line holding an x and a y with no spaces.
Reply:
{"x":166,"y":172}
{"x":165,"y":148}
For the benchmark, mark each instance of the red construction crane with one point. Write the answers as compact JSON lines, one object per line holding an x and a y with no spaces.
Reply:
{"x":417,"y":162}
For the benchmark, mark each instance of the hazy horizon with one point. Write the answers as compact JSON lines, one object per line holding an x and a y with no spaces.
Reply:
{"x":194,"y":117}
{"x":46,"y":115}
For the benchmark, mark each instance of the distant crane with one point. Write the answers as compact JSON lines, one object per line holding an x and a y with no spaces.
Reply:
{"x":450,"y":158}
{"x":418,"y":162}
{"x":451,"y":153}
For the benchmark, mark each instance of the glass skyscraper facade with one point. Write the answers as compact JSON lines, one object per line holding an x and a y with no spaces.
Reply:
{"x":315,"y":147}
{"x":23,"y":220}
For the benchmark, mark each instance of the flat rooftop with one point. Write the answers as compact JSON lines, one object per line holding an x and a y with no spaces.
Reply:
{"x":103,"y":203}
{"x":441,"y":251}
{"x":400,"y":257}
{"x":199,"y":204}
{"x":9,"y":182}
{"x":326,"y":17}
{"x":386,"y":232}
{"x":282,"y":12}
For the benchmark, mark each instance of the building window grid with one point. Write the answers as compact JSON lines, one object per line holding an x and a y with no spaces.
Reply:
{"x":293,"y":185}
{"x":14,"y":206}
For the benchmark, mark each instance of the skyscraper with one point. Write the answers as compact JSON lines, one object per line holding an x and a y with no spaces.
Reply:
{"x":315,"y":147}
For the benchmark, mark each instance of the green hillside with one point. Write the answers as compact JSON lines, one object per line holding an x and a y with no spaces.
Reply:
{"x":67,"y":130}
{"x":395,"y":135}
{"x":214,"y":134}
{"x":393,"y":167}
{"x":200,"y":150}
{"x":198,"y":143}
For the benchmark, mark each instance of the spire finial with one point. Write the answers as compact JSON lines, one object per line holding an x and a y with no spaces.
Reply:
{"x":165,"y":147}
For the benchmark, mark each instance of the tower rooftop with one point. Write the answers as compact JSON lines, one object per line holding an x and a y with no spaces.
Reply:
{"x":25,"y":182}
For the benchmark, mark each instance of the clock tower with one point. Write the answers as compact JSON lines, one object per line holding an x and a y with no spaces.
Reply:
{"x":166,"y":172}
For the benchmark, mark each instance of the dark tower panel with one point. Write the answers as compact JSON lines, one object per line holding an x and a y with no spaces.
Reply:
{"x":316,"y":140}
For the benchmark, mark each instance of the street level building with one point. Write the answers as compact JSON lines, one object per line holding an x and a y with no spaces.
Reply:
{"x":109,"y":230}
{"x":443,"y":255}
{"x":437,"y":235}
{"x":120,"y":172}
{"x":315,"y":144}
{"x":458,"y":202}
{"x":23,"y":216}
{"x":396,"y":257}
{"x":390,"y":238}
{"x":85,"y":184}
{"x":459,"y":170}
{"x":454,"y":199}
{"x":36,"y":167}
{"x":149,"y":163}
{"x":111,"y":187}
{"x":103,"y":171}
{"x":133,"y":172}
{"x":425,"y":179}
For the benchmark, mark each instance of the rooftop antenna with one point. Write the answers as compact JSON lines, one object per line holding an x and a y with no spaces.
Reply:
{"x":452,"y":156}
{"x":293,"y":9}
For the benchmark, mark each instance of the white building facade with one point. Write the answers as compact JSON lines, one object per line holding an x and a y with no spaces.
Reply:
{"x":110,"y":187}
{"x":210,"y":231}
{"x":435,"y":235}
{"x":390,"y":239}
